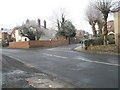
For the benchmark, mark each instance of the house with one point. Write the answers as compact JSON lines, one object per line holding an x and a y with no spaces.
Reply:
{"x":13,"y":35}
{"x":5,"y":34}
{"x":5,"y":37}
{"x":17,"y":36}
{"x":110,"y":27}
{"x":110,"y":30}
{"x":86,"y":35}
{"x":81,"y":34}
{"x":47,"y":35}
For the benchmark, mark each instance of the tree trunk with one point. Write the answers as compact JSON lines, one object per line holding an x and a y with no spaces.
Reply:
{"x":58,"y":24}
{"x":100,"y":28}
{"x":105,"y":33}
{"x":105,"y":39}
{"x":105,"y":28}
{"x":69,"y":39}
{"x":94,"y":30}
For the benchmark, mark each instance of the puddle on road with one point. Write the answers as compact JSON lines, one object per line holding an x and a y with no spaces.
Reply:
{"x":38,"y":74}
{"x":15,"y":72}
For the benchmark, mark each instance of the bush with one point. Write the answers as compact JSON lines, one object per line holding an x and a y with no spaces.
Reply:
{"x":111,"y":39}
{"x":94,"y":42}
{"x":10,"y":40}
{"x":88,"y":42}
{"x":5,"y":43}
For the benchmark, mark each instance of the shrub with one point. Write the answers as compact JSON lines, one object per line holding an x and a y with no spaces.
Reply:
{"x":111,"y":39}
{"x":10,"y":40}
{"x":88,"y":42}
{"x":5,"y":43}
{"x":94,"y":42}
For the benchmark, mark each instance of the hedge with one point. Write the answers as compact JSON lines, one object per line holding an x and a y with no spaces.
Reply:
{"x":94,"y":42}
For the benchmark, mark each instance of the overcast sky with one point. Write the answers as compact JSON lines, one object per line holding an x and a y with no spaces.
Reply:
{"x":15,"y":12}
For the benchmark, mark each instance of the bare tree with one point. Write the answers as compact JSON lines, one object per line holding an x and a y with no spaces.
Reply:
{"x":99,"y":21}
{"x":91,"y":18}
{"x":116,"y":8}
{"x":105,"y":7}
{"x":57,"y":15}
{"x":31,"y":30}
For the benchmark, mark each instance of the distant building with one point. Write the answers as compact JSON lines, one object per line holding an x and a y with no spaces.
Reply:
{"x":110,"y":27}
{"x":90,"y":36}
{"x":86,"y":35}
{"x":5,"y":34}
{"x":82,"y":34}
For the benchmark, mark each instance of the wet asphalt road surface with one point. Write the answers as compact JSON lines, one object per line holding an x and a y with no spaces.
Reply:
{"x":82,"y":69}
{"x":14,"y":73}
{"x":18,"y":75}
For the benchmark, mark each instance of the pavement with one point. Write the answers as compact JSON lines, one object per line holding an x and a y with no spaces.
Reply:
{"x":80,"y":48}
{"x":84,"y":70}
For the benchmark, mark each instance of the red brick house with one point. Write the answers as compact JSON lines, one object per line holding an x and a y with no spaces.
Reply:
{"x":5,"y":34}
{"x":110,"y":26}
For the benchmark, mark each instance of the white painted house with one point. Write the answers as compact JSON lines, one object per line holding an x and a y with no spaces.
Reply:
{"x":19,"y":38}
{"x":47,"y":35}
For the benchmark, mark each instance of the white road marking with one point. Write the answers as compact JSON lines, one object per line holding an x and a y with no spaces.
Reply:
{"x":61,"y":50}
{"x":83,"y":59}
{"x":80,"y":58}
{"x":55,"y":55}
{"x":87,"y":60}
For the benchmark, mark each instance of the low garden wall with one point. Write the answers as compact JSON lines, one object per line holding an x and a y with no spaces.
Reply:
{"x":28,"y":44}
{"x":19,"y":44}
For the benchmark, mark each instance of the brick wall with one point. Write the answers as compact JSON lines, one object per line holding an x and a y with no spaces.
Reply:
{"x":19,"y":44}
{"x":48,"y":43}
{"x":29,"y":44}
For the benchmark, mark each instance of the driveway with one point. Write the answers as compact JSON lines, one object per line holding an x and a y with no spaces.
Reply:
{"x":81,"y":69}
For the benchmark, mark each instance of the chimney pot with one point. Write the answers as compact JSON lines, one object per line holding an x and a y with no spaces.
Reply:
{"x":39,"y":22}
{"x":45,"y":24}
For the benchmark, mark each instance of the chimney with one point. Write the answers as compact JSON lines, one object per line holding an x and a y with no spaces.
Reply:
{"x":45,"y":24}
{"x":27,"y":21}
{"x":39,"y":22}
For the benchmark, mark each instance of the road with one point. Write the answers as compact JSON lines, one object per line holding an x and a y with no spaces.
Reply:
{"x":19,"y":75}
{"x":81,"y":69}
